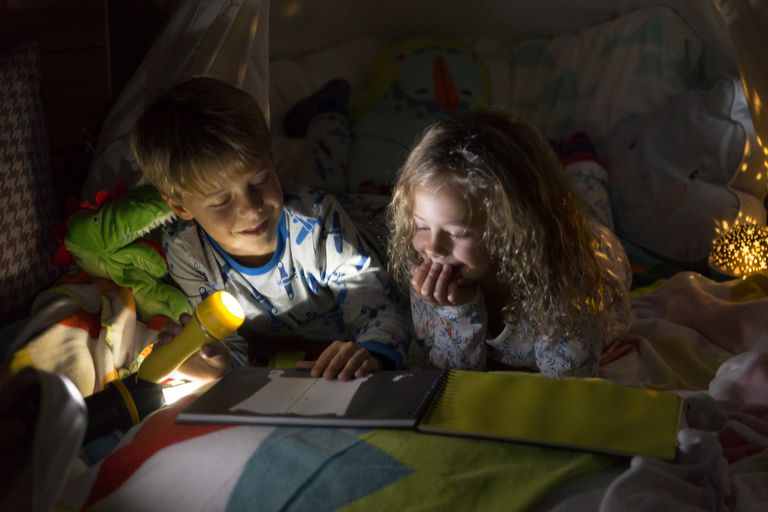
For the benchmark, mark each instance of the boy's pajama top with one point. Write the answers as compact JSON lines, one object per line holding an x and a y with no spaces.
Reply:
{"x":323,"y":282}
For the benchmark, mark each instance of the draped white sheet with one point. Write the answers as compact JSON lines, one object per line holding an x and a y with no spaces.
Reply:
{"x":226,"y":39}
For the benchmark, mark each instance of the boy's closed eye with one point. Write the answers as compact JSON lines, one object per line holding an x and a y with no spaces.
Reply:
{"x":219,"y":203}
{"x":260,"y":179}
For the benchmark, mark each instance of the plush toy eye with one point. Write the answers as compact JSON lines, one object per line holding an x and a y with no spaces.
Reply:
{"x":95,"y":219}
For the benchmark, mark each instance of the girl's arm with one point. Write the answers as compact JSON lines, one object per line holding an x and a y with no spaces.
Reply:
{"x":571,"y":349}
{"x":454,"y":336}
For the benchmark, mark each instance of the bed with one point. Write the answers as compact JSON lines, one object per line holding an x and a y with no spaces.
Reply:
{"x":657,"y":85}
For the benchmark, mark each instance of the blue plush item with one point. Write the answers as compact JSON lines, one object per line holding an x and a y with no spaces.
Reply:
{"x":331,"y":97}
{"x":413,"y":83}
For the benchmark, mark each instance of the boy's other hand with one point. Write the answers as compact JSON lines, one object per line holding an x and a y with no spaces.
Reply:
{"x":344,"y":360}
{"x":171,"y":329}
{"x":210,"y":362}
{"x":441,"y":284}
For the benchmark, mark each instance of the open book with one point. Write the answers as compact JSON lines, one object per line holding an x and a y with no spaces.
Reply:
{"x":589,"y":414}
{"x":269,"y":396}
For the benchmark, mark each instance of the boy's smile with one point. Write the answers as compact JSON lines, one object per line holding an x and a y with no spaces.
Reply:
{"x":242,"y":214}
{"x":257,"y":230}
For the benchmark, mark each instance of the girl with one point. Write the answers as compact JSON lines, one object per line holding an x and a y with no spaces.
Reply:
{"x":503,"y":262}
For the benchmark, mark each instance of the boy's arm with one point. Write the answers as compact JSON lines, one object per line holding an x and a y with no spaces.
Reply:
{"x":194,"y":271}
{"x":368,"y":301}
{"x":454,"y":336}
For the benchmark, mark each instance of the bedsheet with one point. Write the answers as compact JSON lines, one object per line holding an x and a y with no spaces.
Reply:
{"x":704,"y":340}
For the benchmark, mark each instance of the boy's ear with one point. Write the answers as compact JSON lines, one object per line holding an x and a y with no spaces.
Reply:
{"x":178,"y":208}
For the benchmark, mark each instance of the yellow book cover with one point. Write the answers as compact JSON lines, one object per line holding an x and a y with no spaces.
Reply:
{"x":586,"y":413}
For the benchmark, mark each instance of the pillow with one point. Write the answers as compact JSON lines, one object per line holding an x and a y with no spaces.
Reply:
{"x":589,"y":80}
{"x":28,"y":207}
{"x":413,"y":83}
{"x":679,"y":173}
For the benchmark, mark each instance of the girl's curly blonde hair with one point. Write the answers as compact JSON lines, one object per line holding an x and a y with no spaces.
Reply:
{"x":536,"y":231}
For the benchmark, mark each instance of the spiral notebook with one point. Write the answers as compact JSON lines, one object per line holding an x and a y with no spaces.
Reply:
{"x":589,"y":414}
{"x":586,"y":414}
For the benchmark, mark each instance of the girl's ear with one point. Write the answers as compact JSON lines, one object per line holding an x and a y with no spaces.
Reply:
{"x":178,"y":208}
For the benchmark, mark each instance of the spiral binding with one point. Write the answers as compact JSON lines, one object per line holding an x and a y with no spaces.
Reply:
{"x":436,"y":400}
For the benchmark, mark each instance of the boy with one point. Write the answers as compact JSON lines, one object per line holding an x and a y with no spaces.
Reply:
{"x":291,"y":256}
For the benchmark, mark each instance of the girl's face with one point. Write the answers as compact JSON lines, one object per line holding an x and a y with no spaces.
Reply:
{"x":448,"y":232}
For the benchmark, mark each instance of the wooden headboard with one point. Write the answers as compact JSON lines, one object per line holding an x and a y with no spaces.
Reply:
{"x":73,"y":38}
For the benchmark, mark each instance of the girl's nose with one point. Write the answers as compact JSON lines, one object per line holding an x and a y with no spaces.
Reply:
{"x":436,"y":246}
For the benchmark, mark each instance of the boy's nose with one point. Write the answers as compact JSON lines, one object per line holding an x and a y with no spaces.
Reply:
{"x":252,"y":203}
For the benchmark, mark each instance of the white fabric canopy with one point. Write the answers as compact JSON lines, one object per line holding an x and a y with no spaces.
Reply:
{"x":225,"y":39}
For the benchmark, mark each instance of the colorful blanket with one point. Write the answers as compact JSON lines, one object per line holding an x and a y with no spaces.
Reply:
{"x":705,"y":340}
{"x":267,"y":468}
{"x":86,"y":329}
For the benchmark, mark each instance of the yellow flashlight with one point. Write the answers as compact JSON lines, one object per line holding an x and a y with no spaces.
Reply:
{"x":214,"y":319}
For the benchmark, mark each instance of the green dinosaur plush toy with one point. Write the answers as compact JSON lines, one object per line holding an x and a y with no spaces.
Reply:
{"x":106,"y":240}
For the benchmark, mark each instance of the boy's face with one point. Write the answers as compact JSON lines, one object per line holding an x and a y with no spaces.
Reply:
{"x":446,"y":232}
{"x":240,"y":213}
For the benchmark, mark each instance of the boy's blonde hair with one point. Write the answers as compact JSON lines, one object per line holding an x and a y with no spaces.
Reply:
{"x":536,"y":230}
{"x":199,"y":133}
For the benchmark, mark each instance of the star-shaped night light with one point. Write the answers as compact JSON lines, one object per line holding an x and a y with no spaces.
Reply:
{"x":740,"y":250}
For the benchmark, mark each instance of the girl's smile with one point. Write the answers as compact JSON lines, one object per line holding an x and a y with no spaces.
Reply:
{"x":448,"y":231}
